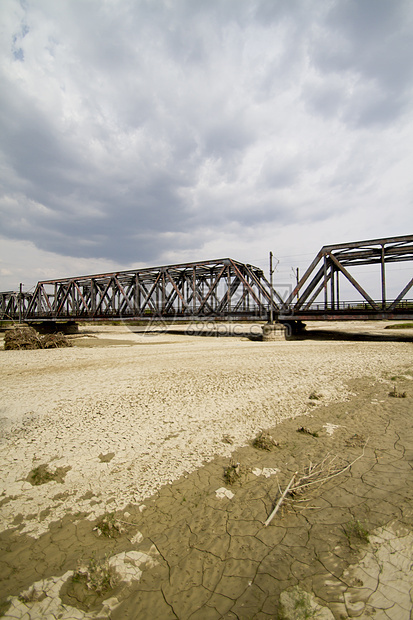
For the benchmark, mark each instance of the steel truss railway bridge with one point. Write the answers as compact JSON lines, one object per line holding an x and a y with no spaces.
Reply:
{"x":222,"y":289}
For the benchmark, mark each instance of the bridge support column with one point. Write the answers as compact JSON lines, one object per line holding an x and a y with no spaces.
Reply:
{"x":274,"y":331}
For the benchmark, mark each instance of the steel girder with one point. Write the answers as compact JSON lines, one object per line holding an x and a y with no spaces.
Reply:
{"x":219,"y":288}
{"x":322,"y":278}
{"x":222,"y":289}
{"x":14,"y":305}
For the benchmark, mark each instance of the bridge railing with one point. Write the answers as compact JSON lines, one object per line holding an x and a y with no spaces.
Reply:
{"x":353,"y":307}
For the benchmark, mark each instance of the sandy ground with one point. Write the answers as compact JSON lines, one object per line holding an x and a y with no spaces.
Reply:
{"x":123,"y":414}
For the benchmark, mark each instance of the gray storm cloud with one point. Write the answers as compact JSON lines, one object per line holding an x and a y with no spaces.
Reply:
{"x":138,"y":132}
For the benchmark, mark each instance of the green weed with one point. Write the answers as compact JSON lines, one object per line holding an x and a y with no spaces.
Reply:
{"x":356,"y":531}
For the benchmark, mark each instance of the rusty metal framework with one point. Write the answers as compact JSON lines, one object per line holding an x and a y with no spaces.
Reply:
{"x":14,"y":305}
{"x":220,"y":288}
{"x":317,"y":294}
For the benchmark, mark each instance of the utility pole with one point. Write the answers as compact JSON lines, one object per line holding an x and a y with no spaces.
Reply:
{"x":298,"y":279}
{"x":296,"y":272}
{"x":272,"y":292}
{"x":20,"y":302}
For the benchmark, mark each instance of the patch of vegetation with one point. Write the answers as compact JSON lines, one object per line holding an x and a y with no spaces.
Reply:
{"x":356,"y":530}
{"x":307,"y":431}
{"x":264,"y":441}
{"x":25,"y":337}
{"x":109,"y":526}
{"x":96,"y":575}
{"x":31,"y":595}
{"x":395,"y":394}
{"x":234,"y":473}
{"x":314,"y":396}
{"x":400,"y":326}
{"x":296,"y":604}
{"x":42,"y":474}
{"x":303,"y":607}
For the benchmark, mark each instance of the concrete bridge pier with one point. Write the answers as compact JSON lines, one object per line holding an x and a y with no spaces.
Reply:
{"x":274,"y":331}
{"x":282,"y":331}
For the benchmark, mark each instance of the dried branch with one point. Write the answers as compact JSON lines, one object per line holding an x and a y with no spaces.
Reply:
{"x":280,"y":501}
{"x":300,"y":485}
{"x":312,"y":477}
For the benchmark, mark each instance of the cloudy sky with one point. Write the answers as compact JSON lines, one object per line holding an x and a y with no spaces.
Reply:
{"x":148,"y":132}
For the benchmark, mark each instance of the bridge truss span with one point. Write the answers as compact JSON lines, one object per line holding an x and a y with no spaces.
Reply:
{"x":225,"y":289}
{"x":218,"y":288}
{"x":317,"y":294}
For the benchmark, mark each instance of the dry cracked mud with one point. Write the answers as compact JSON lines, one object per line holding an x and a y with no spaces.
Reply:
{"x":342,"y":548}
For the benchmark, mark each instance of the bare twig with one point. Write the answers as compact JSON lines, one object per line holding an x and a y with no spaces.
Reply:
{"x":313,"y":477}
{"x":127,"y":522}
{"x":280,"y":501}
{"x":330,"y":476}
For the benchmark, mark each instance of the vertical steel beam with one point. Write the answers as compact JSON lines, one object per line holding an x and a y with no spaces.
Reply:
{"x":338,"y":289}
{"x":193,"y":290}
{"x":229,"y":289}
{"x":332,"y":303}
{"x":92,"y":297}
{"x":383,"y":279}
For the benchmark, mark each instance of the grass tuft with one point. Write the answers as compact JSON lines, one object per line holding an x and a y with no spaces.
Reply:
{"x":31,"y":595}
{"x":234,"y":473}
{"x":97,"y":575}
{"x":356,"y":530}
{"x":109,"y":526}
{"x":264,"y":441}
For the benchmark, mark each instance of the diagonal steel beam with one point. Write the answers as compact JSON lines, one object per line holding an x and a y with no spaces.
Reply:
{"x":36,"y":299}
{"x":102,"y":297}
{"x":301,"y":302}
{"x":177,"y":291}
{"x":305,"y":277}
{"x":317,"y":292}
{"x":352,"y":280}
{"x":249,"y":287}
{"x":211,"y":289}
{"x":81,"y":297}
{"x":401,"y":295}
{"x":127,"y":301}
{"x":151,"y":291}
{"x":122,"y":290}
{"x":65,"y":296}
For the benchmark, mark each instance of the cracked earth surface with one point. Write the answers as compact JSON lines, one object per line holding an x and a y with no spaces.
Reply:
{"x":344,"y":550}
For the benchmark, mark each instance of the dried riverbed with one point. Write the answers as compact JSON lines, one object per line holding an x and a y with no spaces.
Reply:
{"x":120,"y":421}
